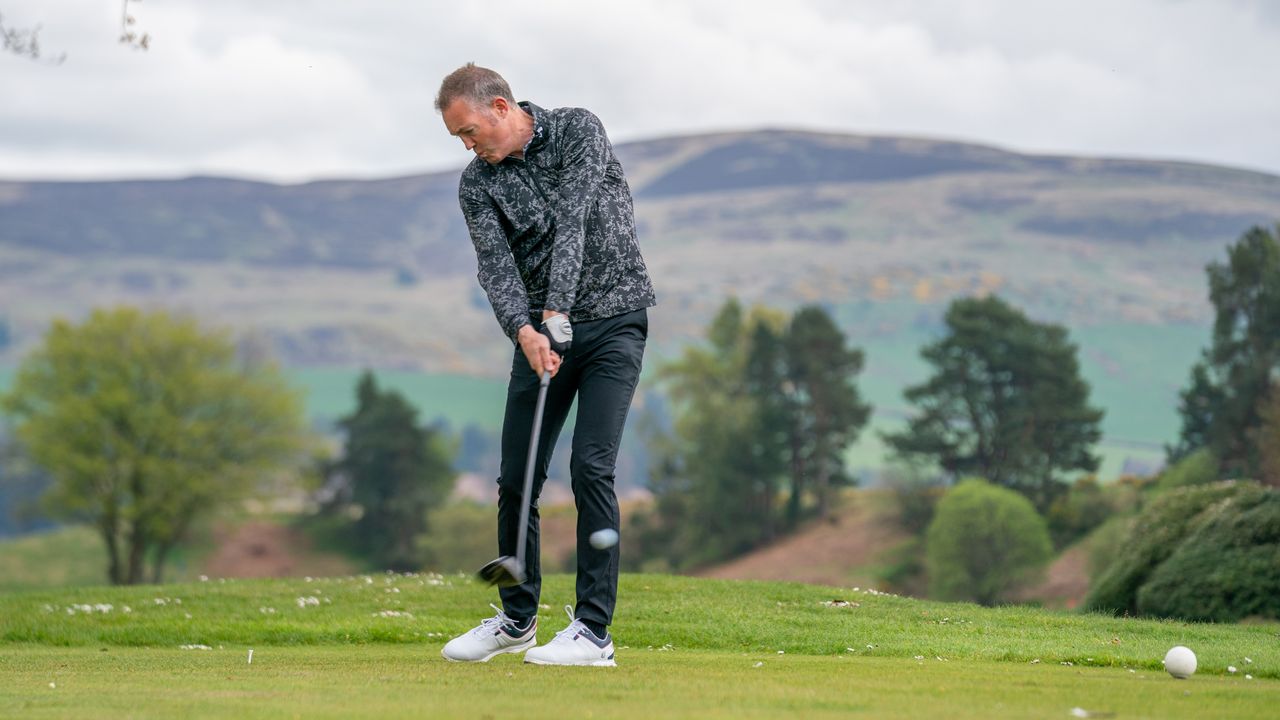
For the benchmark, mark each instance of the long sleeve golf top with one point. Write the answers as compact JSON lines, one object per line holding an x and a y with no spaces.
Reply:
{"x":555,"y":230}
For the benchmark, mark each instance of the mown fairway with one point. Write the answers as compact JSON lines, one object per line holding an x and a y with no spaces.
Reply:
{"x":368,"y":646}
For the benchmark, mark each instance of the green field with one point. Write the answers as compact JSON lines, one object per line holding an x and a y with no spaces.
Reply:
{"x":368,"y":646}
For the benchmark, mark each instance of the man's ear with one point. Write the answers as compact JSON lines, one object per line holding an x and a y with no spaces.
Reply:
{"x":500,"y":106}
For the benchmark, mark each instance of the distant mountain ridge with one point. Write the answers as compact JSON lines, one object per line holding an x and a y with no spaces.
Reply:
{"x":369,"y":223}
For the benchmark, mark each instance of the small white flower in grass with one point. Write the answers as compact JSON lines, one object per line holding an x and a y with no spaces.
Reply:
{"x":267,"y":610}
{"x":758,"y":664}
{"x":1231,"y":668}
{"x":782,"y":652}
{"x":307,"y":578}
{"x":919,"y":657}
{"x":1248,"y":677}
{"x":1247,"y":661}
{"x":204,"y":578}
{"x":1036,"y":661}
{"x":309,"y":600}
{"x":188,"y":615}
{"x":1132,"y":670}
{"x":850,"y":649}
{"x":177,"y":601}
{"x":392,"y":614}
{"x":871,"y":647}
{"x":53,"y":685}
{"x":195,"y":647}
{"x":1067,"y":663}
{"x":127,"y":609}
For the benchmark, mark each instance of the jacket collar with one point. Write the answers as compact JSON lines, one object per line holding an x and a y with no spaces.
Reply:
{"x":540,"y":133}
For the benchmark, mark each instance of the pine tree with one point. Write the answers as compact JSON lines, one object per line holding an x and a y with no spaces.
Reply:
{"x":1006,"y":402}
{"x":1222,"y":408}
{"x":395,"y":473}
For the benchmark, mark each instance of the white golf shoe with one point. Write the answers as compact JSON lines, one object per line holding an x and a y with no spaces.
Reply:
{"x":574,"y":645}
{"x":493,"y":636}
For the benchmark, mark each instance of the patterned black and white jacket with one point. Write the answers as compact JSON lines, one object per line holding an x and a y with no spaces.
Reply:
{"x":556,"y":230}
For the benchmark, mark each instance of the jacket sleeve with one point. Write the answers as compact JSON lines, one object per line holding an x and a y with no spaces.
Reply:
{"x":584,"y":159}
{"x":496,"y":268}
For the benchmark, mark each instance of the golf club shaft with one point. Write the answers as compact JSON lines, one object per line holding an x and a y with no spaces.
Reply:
{"x":526,"y":497}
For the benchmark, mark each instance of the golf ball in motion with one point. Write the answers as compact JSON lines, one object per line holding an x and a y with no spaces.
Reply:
{"x":607,"y":538}
{"x":1180,"y":662}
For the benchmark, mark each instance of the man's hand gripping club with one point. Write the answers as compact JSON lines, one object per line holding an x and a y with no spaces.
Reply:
{"x":544,"y":349}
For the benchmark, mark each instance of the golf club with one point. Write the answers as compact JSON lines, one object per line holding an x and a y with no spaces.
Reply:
{"x":508,"y":571}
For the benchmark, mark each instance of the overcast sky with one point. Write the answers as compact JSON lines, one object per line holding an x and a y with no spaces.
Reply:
{"x":291,"y":90}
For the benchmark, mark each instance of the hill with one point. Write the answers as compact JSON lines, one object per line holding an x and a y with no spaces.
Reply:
{"x":883,"y":231}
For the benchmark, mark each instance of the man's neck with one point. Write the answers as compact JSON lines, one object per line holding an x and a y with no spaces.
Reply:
{"x":524,"y":131}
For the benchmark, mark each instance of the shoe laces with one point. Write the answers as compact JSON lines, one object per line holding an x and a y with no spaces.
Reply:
{"x":490,"y":625}
{"x":575,"y":625}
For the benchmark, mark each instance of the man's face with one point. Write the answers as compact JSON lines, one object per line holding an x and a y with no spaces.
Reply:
{"x":484,"y":130}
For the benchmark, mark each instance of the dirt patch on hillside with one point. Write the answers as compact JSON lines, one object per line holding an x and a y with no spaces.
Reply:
{"x":1066,"y":582}
{"x":259,"y":549}
{"x":844,"y":550}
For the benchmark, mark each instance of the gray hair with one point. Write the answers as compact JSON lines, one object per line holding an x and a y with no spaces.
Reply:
{"x":475,"y":84}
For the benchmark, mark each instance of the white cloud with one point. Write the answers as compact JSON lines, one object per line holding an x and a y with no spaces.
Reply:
{"x":295,"y":89}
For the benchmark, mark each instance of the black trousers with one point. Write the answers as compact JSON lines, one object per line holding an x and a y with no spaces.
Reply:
{"x":601,"y":370}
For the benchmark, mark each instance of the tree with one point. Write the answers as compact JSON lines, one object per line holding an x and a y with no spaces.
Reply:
{"x":722,"y":468}
{"x":1222,"y":408}
{"x":827,"y":407}
{"x":394,"y":472}
{"x":984,"y":542}
{"x":767,"y":406}
{"x":1267,"y":440}
{"x":146,"y":423}
{"x":1006,"y":402}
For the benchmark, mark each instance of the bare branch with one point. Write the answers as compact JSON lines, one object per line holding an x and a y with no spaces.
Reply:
{"x":129,"y":36}
{"x":25,"y":43}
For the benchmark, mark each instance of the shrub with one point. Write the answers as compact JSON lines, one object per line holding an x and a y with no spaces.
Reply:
{"x":1152,"y":538}
{"x":1078,"y":511}
{"x":984,"y":542}
{"x":1198,"y":468}
{"x":460,"y":537}
{"x":915,"y":497}
{"x":1226,"y":570}
{"x":1104,"y":544}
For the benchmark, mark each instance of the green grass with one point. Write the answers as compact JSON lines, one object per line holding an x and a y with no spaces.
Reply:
{"x":75,"y":555}
{"x":686,"y":648}
{"x":54,"y":558}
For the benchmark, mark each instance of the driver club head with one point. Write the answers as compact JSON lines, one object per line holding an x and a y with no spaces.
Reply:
{"x":506,"y":571}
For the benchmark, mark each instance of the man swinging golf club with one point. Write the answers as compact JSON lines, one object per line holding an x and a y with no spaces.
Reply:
{"x":550,"y":215}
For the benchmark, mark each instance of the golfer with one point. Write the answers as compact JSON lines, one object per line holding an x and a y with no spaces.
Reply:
{"x":550,"y":215}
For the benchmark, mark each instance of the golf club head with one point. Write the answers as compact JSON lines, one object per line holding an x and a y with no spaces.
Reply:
{"x":506,"y":571}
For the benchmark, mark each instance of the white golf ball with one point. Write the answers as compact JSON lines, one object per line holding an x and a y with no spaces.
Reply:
{"x":605,"y":538}
{"x":1180,"y":662}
